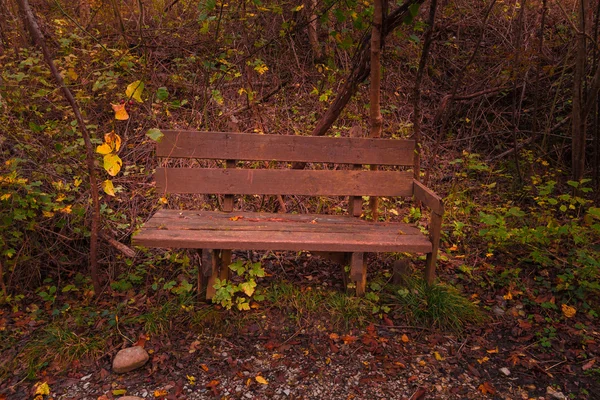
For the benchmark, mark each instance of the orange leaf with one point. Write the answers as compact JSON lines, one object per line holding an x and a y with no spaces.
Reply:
{"x":160,"y":393}
{"x":120,"y":112}
{"x":214,"y":383}
{"x":142,"y":340}
{"x":568,"y":311}
{"x":204,"y":367}
{"x":405,"y":338}
{"x":261,"y":380}
{"x":334,"y":336}
{"x":349,"y":339}
{"x":589,"y":364}
{"x":486,"y":388}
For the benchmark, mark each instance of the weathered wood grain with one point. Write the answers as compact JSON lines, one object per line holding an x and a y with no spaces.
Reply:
{"x":251,"y":147}
{"x":290,"y":182}
{"x":428,"y":197}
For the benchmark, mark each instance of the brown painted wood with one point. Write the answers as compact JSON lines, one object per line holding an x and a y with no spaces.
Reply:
{"x":358,"y":272}
{"x":291,"y":182}
{"x":355,"y":202}
{"x":286,"y":240}
{"x":250,"y":147}
{"x":229,"y":199}
{"x":428,"y":197}
{"x":225,"y":272}
{"x":210,"y":267}
{"x":435,"y":228}
{"x":336,"y":257}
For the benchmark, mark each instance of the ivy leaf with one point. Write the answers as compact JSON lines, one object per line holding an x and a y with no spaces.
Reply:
{"x":162,"y":93}
{"x":120,"y":112}
{"x":248,"y":287}
{"x":108,"y":187}
{"x":134,"y":91}
{"x":155,"y":134}
{"x":112,"y":164}
{"x":103,"y":149}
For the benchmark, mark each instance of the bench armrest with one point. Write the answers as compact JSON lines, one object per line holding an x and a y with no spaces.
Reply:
{"x":428,"y":197}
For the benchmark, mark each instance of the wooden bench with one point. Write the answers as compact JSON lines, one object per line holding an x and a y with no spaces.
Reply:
{"x":343,"y":238}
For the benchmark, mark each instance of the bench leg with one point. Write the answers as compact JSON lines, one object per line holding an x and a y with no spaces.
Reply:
{"x":207,"y":273}
{"x":435,"y":229}
{"x":225,"y":272}
{"x":358,"y":272}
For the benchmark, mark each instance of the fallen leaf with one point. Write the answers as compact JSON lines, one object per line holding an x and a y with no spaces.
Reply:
{"x":483,"y":360}
{"x":261,"y":380}
{"x":120,"y":112}
{"x":204,"y":367}
{"x":487,"y":388}
{"x":236,"y":218}
{"x":348,"y":339}
{"x":121,"y":392}
{"x":334,"y":336}
{"x":438,"y":356}
{"x":568,"y":311}
{"x":142,"y":340}
{"x":42,"y":389}
{"x":493,"y":351}
{"x":405,"y":338}
{"x":191,"y":379}
{"x":589,"y":364}
{"x":160,"y":393}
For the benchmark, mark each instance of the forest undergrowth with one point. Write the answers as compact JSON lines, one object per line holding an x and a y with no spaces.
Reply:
{"x":520,"y":254}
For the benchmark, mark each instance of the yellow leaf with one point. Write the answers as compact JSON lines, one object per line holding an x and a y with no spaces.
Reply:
{"x":48,"y":214}
{"x":112,"y":164}
{"x":483,"y":360}
{"x":508,"y":296}
{"x":261,"y":380}
{"x":437,"y":356}
{"x":72,"y":74}
{"x":113,"y":140}
{"x":108,"y":187}
{"x":568,"y":311}
{"x":191,"y":379}
{"x":67,"y":209}
{"x":42,"y":389}
{"x":120,"y":112}
{"x":405,"y":338}
{"x":104,"y":148}
{"x":160,"y":393}
{"x":5,"y":196}
{"x":119,"y":392}
{"x":134,"y":91}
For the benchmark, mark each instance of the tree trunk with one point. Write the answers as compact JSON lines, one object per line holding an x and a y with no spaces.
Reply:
{"x":578,"y":118}
{"x":361,"y":68}
{"x":375,"y":95}
{"x":38,"y":38}
{"x":417,"y":113}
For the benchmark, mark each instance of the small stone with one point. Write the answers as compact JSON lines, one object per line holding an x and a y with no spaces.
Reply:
{"x":555,"y":394}
{"x":129,"y":359}
{"x":248,"y":395}
{"x":505,"y":371}
{"x":287,"y":392}
{"x":85,"y":378}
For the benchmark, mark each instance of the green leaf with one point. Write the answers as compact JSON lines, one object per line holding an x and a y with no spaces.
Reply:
{"x":134,"y":91}
{"x":248,"y":287}
{"x":162,"y":93}
{"x":155,"y":134}
{"x":413,"y":11}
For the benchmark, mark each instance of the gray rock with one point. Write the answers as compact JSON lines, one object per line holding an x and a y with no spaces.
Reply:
{"x":129,"y":359}
{"x":505,"y":371}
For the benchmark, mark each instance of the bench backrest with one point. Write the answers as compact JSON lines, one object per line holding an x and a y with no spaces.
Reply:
{"x":253,"y":147}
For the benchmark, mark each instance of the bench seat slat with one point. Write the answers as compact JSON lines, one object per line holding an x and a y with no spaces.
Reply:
{"x":277,"y":232}
{"x":249,"y":147}
{"x":287,"y":182}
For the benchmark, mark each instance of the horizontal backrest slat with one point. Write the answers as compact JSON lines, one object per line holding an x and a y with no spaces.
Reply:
{"x":286,"y":182}
{"x":253,"y":147}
